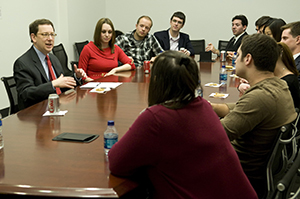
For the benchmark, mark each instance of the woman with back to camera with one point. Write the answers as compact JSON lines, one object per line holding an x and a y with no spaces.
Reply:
{"x":178,"y":142}
{"x":100,"y":58}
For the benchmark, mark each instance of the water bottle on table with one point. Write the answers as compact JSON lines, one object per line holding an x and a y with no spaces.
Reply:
{"x":198,"y":91}
{"x":1,"y":136}
{"x":110,"y":136}
{"x":223,"y":75}
{"x":233,"y":59}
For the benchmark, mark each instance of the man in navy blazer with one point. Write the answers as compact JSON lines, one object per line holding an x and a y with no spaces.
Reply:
{"x":291,"y":37}
{"x":31,"y":71}
{"x":172,"y":39}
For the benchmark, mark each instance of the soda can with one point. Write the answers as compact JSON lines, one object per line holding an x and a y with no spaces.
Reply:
{"x":53,"y":103}
{"x":223,"y":55}
{"x":147,"y":66}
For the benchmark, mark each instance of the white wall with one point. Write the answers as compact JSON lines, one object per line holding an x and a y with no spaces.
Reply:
{"x":210,"y":20}
{"x":74,"y":20}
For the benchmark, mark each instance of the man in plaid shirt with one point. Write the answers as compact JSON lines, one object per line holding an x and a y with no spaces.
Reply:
{"x":138,"y":44}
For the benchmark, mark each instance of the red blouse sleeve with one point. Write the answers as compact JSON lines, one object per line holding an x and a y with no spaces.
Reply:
{"x":84,"y":58}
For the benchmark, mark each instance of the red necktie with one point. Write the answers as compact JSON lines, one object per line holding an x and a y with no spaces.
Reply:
{"x":51,"y":74}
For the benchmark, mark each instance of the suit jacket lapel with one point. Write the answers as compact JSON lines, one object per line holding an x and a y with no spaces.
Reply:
{"x":297,"y":62}
{"x":38,"y":64}
{"x":167,"y":39}
{"x":230,"y":44}
{"x":180,"y":42}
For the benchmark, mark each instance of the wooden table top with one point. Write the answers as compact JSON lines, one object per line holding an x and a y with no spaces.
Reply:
{"x":30,"y":161}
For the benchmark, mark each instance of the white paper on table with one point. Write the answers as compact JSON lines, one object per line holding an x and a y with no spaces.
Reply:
{"x":60,"y":113}
{"x":90,"y":85}
{"x":111,"y":85}
{"x":219,"y":95}
{"x":211,"y":84}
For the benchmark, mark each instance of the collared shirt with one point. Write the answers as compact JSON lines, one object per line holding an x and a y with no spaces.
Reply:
{"x":237,"y":37}
{"x":140,"y":51}
{"x":296,"y":55}
{"x":43,"y":60}
{"x":174,"y":42}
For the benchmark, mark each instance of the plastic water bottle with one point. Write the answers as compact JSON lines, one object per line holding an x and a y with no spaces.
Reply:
{"x":110,"y":136}
{"x":1,"y":136}
{"x":233,"y":60}
{"x":223,"y":75}
{"x":199,"y":90}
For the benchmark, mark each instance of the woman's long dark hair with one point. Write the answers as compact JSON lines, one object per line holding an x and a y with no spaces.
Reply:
{"x":287,"y":58}
{"x":174,"y":78}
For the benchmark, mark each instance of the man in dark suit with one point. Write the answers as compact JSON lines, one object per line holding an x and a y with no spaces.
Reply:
{"x":172,"y":39}
{"x":291,"y":37}
{"x":32,"y":73}
{"x":239,"y":25}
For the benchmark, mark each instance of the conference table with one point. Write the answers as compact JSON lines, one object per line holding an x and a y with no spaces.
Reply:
{"x":31,"y":164}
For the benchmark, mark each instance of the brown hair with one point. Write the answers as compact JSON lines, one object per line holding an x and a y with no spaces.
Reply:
{"x":97,"y":33}
{"x":263,"y":49}
{"x":294,"y":26}
{"x":34,"y":26}
{"x":146,"y":17}
{"x":287,"y":58}
{"x":174,"y":78}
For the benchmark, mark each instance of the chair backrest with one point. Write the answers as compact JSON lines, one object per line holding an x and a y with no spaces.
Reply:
{"x":222,"y":45}
{"x":60,"y":53}
{"x":11,"y":89}
{"x":284,"y":156}
{"x":118,"y":32}
{"x":79,"y":46}
{"x":198,"y":45}
{"x":72,"y":65}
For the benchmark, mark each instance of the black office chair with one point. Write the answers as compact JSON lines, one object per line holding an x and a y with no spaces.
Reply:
{"x":283,"y":168}
{"x":72,"y":65}
{"x":60,"y":53}
{"x":198,"y":45}
{"x":11,"y":90}
{"x":222,"y":45}
{"x":79,"y":46}
{"x":118,"y":32}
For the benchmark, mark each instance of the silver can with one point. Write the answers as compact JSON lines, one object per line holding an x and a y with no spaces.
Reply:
{"x":53,"y":103}
{"x":223,"y":55}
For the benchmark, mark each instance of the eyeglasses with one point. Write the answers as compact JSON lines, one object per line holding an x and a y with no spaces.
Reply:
{"x":46,"y":34}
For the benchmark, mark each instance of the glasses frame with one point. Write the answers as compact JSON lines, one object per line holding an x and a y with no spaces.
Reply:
{"x":46,"y":34}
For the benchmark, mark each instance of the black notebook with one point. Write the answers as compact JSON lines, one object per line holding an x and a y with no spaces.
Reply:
{"x":75,"y":137}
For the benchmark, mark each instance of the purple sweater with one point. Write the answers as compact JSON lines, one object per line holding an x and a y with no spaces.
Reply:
{"x":185,"y":153}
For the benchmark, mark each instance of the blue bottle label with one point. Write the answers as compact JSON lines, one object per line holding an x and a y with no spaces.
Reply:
{"x":109,"y":142}
{"x":223,"y":77}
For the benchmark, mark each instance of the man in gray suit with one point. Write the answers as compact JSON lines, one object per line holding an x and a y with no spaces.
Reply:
{"x":31,"y":72}
{"x":291,"y":37}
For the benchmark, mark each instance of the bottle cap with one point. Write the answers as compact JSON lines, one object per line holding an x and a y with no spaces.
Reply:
{"x":110,"y":123}
{"x":223,"y":66}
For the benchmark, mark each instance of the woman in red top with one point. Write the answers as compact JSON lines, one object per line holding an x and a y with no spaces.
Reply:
{"x":100,"y":58}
